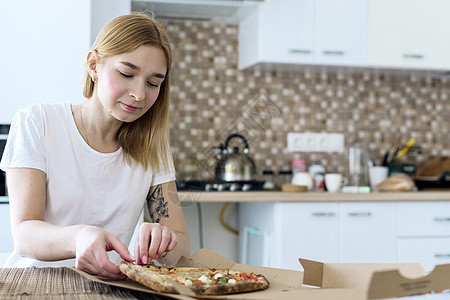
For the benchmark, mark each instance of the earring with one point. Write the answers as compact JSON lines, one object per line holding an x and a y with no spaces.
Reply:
{"x":93,"y":79}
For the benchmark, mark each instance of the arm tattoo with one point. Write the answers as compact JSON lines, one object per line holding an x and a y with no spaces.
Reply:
{"x":157,"y":206}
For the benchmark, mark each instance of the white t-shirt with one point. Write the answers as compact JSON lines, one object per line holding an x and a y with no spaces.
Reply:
{"x":84,"y":186}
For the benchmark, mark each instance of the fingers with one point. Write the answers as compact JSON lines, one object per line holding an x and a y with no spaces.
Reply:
{"x":116,"y":245}
{"x":154,"y":240}
{"x":91,"y":252}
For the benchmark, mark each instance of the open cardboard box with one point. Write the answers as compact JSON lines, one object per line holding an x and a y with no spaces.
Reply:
{"x":319,"y":281}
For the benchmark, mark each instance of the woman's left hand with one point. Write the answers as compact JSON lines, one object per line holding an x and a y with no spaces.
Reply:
{"x":153,"y":241}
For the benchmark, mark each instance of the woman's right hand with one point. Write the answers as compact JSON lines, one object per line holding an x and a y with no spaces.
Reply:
{"x":92,"y":244}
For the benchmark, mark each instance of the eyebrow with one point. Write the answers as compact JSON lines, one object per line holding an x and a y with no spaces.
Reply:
{"x":134,"y":67}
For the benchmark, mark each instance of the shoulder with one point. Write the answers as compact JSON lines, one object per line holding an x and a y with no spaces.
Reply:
{"x":41,"y":109}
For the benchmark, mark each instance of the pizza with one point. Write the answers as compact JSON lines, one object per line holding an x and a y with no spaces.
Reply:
{"x":203,"y":281}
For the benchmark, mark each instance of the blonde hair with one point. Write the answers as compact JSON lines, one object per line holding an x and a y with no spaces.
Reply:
{"x":145,"y":140}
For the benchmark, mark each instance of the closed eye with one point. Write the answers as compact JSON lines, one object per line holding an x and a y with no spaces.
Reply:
{"x":152,"y":84}
{"x":125,"y":75}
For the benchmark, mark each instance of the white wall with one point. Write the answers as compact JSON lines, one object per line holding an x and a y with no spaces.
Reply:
{"x":44,"y":46}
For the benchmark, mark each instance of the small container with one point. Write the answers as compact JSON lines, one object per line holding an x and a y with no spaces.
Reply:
{"x":298,"y":165}
{"x":284,"y":177}
{"x":269,"y":178}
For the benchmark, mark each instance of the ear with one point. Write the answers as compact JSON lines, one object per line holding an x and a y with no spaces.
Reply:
{"x":91,"y":63}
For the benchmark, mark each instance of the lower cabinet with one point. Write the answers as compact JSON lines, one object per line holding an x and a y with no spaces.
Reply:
{"x":277,"y":234}
{"x":424,"y":233}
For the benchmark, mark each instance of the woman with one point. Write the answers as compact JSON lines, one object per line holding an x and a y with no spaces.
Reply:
{"x":79,"y":175}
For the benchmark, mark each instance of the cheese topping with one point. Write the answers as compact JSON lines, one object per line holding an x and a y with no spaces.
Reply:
{"x":232,"y":281}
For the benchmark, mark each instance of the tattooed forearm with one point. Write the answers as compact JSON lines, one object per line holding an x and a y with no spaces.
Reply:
{"x":157,"y":206}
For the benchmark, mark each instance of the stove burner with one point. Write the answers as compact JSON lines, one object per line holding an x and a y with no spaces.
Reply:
{"x":219,"y":186}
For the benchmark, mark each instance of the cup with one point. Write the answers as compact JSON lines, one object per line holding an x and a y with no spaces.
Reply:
{"x":334,"y":182}
{"x":377,"y":174}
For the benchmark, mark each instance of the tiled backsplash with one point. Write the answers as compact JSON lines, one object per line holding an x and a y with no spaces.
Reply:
{"x":212,"y":98}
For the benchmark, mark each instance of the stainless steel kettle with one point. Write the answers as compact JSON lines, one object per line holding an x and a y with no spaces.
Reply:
{"x":235,"y":166}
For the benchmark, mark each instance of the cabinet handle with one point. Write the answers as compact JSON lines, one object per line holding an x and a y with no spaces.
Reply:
{"x":442,"y":219}
{"x":442,"y":255}
{"x":412,"y":56}
{"x":324,"y":214}
{"x":333,"y":52}
{"x":360,"y":214}
{"x":300,"y":51}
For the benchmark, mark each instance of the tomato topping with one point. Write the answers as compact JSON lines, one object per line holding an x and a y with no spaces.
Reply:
{"x":196,"y":281}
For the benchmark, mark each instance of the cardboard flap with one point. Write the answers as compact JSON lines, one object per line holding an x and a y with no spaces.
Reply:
{"x":387,"y":284}
{"x":313,"y":274}
{"x":211,"y":259}
{"x":351,"y":275}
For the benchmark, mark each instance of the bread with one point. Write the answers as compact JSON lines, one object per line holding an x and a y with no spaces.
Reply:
{"x":397,"y":183}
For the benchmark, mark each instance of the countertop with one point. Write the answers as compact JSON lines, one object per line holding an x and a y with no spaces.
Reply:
{"x":278,"y":196}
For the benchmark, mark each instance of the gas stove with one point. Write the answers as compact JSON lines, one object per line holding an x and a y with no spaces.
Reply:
{"x":219,"y":186}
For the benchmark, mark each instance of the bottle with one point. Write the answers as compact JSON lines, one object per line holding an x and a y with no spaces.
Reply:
{"x":359,"y":163}
{"x":317,"y":171}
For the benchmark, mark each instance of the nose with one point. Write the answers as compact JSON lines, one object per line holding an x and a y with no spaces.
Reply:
{"x":137,"y":90}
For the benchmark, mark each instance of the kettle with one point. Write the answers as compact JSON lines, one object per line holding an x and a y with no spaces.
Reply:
{"x":235,"y":166}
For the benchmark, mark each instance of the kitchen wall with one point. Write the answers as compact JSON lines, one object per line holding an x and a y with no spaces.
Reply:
{"x":211,"y":98}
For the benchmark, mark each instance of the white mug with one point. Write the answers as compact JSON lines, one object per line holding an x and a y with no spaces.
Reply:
{"x":334,"y":182}
{"x":377,"y":174}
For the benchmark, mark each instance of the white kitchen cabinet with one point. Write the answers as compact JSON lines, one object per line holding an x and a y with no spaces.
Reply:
{"x":278,"y":32}
{"x":6,"y":244}
{"x":340,"y":29}
{"x":280,"y":233}
{"x":409,"y":34}
{"x":368,"y":232}
{"x":424,"y":233}
{"x":305,"y":32}
{"x":428,"y":251}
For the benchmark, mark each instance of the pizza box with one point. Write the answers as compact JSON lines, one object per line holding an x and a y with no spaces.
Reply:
{"x":377,"y":280}
{"x":284,"y":284}
{"x":318,"y":280}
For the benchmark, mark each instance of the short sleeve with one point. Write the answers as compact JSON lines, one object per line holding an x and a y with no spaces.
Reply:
{"x":25,"y":147}
{"x":163,"y":176}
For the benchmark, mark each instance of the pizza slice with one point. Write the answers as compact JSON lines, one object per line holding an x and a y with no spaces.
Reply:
{"x":203,"y":281}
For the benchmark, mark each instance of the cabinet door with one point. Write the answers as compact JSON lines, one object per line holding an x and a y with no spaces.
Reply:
{"x":426,"y":251}
{"x":424,"y":219}
{"x":306,"y":230}
{"x":341,"y":32}
{"x":278,"y":32}
{"x":6,"y":242}
{"x":368,"y":232}
{"x":409,"y":33}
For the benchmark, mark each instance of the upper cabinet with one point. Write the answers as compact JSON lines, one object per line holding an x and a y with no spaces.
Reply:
{"x":395,"y":34}
{"x":409,"y":34}
{"x":340,"y":32}
{"x":278,"y":31}
{"x":304,"y":32}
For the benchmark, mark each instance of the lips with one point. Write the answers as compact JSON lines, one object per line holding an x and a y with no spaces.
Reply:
{"x":129,"y":107}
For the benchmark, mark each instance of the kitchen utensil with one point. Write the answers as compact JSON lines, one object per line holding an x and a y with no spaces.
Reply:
{"x":393,"y":150}
{"x":406,"y":148}
{"x":235,"y":166}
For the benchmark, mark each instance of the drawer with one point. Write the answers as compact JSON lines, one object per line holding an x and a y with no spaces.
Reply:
{"x":426,"y":251}
{"x":424,"y":218}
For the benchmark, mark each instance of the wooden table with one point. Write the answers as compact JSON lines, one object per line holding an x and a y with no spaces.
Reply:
{"x":59,"y":283}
